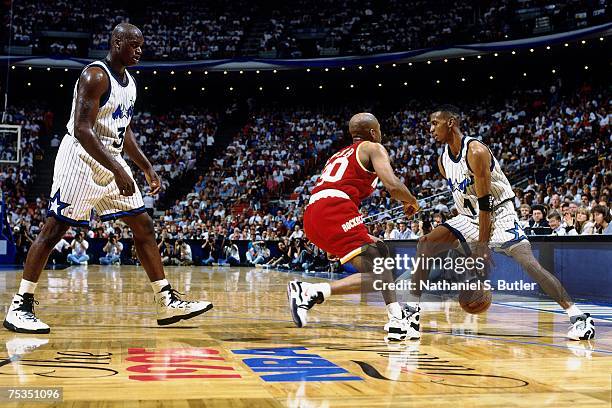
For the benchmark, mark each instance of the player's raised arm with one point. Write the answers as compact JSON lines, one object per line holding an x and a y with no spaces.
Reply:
{"x":136,"y":154}
{"x":379,"y":158}
{"x":93,"y":83}
{"x":479,"y":159}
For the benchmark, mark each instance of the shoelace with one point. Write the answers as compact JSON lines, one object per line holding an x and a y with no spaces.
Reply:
{"x":27,"y":306}
{"x":314,"y":299}
{"x":579,"y":324}
{"x":174,"y":296}
{"x":409,"y":311}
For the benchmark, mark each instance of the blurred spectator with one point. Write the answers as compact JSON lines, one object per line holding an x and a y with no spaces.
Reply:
{"x":60,"y":252}
{"x":391,"y":232}
{"x":403,"y":231}
{"x":112,"y":249}
{"x":537,"y":217}
{"x":23,"y":242}
{"x":231,"y":254}
{"x":583,"y":225}
{"x":183,"y":252}
{"x":166,"y":250}
{"x":211,"y":249}
{"x":133,"y":258}
{"x":283,"y":258}
{"x":257,"y":253}
{"x":415,"y":230}
{"x":554,"y":221}
{"x":601,"y":215}
{"x":524,"y":215}
{"x":79,"y":250}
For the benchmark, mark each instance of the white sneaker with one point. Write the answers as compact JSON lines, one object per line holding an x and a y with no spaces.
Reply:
{"x":408,"y":327}
{"x":171,"y":309}
{"x":21,"y":318}
{"x":300,"y":303}
{"x":582,"y":328}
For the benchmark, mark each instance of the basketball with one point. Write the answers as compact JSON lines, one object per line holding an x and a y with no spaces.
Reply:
{"x":475,"y":301}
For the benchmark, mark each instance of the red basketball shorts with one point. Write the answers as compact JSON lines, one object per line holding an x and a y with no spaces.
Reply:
{"x":335,"y":225}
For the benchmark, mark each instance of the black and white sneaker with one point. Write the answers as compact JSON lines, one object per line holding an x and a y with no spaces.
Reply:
{"x":582,"y":328}
{"x":21,"y":318}
{"x":171,"y":308}
{"x":300,"y":303}
{"x":405,"y":328}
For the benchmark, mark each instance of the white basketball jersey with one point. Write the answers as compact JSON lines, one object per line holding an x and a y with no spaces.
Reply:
{"x":460,"y":179}
{"x":116,"y":109}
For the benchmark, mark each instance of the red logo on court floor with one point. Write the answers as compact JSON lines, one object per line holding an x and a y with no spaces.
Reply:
{"x":178,"y":363}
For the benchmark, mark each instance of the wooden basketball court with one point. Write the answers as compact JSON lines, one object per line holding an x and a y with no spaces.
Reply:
{"x":105,"y":349}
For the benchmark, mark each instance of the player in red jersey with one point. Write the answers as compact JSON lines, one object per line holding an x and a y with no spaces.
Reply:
{"x":333,"y":223}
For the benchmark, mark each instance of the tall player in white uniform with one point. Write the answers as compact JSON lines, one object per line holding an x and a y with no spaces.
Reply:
{"x":90,"y":174}
{"x":487,"y":218}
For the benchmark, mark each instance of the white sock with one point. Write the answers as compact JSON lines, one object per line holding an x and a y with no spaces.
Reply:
{"x":573,"y":311}
{"x":394,"y":310}
{"x":414,"y":301}
{"x":324,"y":288}
{"x":27,"y":287}
{"x":159,"y":285}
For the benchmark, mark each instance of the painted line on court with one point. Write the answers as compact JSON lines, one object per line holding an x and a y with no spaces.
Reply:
{"x":559,"y":312}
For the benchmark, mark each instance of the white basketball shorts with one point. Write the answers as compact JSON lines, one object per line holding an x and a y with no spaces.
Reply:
{"x":505,"y":229}
{"x":81,"y":184}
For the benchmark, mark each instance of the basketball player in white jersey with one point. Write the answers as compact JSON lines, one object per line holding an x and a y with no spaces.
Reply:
{"x":90,"y":173}
{"x":487,"y":218}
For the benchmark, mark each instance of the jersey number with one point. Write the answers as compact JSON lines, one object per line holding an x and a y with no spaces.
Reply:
{"x":467,"y":203}
{"x":121,"y":131}
{"x":334,"y":170}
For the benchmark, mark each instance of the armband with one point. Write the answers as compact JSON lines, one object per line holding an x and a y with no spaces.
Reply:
{"x":485,"y":203}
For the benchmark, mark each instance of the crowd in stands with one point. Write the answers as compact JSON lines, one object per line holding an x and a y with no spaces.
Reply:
{"x":554,"y":148}
{"x":173,"y":141}
{"x":15,"y":178}
{"x":183,"y":30}
{"x":186,"y":31}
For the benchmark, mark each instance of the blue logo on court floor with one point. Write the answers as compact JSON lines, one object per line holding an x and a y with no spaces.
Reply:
{"x":285,"y":365}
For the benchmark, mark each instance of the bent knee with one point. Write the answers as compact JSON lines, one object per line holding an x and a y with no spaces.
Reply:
{"x":423,"y":245}
{"x":144,"y":227}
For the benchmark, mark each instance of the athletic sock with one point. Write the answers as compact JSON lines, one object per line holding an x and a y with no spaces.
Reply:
{"x":573,"y":311}
{"x":159,"y":285}
{"x":415,"y":303}
{"x":394,"y":310}
{"x":324,"y":288}
{"x":27,"y":287}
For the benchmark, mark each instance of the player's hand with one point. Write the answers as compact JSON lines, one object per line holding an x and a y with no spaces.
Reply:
{"x":569,"y":220}
{"x":154,"y":181}
{"x":482,"y":251}
{"x":332,"y":257}
{"x":411,"y":207}
{"x":124,"y":182}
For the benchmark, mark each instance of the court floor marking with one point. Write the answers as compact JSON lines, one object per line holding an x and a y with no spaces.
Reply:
{"x":597,"y":311}
{"x":429,"y":331}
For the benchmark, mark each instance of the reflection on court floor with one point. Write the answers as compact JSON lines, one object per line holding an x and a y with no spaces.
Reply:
{"x":106,"y":350}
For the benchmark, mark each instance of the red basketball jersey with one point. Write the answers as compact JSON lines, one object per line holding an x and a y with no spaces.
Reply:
{"x":343,"y":171}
